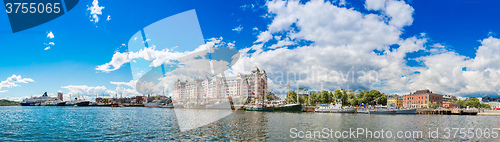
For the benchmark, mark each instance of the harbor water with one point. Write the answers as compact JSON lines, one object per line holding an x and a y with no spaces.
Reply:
{"x":160,"y":124}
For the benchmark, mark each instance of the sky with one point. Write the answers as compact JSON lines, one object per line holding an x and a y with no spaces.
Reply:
{"x":450,"y":47}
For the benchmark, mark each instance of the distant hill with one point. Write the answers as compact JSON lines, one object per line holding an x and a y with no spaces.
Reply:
{"x":5,"y":102}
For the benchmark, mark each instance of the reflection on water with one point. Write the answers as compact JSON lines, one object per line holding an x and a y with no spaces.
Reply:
{"x":118,"y":124}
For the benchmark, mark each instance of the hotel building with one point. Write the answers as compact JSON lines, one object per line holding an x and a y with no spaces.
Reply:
{"x":396,"y":100}
{"x":253,"y":85}
{"x":421,"y":98}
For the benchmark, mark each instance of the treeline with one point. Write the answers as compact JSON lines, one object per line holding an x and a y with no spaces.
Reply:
{"x":347,"y":97}
{"x":472,"y":102}
{"x":5,"y":102}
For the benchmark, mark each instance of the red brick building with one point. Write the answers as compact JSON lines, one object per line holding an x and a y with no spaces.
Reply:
{"x":450,"y":105}
{"x":421,"y":98}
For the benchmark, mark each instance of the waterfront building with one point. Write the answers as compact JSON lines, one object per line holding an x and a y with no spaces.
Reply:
{"x":303,"y":92}
{"x":447,"y":98}
{"x":421,"y":98}
{"x":494,"y":104}
{"x":60,"y":96}
{"x":253,"y":86}
{"x":395,"y":99}
{"x":450,"y":105}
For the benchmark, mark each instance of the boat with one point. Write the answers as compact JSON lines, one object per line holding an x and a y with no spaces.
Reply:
{"x":37,"y":101}
{"x":27,"y":103}
{"x":82,"y":103}
{"x":168,"y":105}
{"x":335,"y":108}
{"x":259,"y":108}
{"x":382,"y":110}
{"x":152,"y":104}
{"x":406,"y":111}
{"x":61,"y":104}
{"x":290,"y":108}
{"x":219,"y":105}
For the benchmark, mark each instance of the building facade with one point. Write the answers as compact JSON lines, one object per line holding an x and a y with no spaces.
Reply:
{"x":398,"y":101}
{"x":447,"y":98}
{"x":450,"y":105}
{"x":421,"y":98}
{"x":252,"y":86}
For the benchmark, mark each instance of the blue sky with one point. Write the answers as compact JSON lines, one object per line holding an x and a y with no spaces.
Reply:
{"x":81,"y":45}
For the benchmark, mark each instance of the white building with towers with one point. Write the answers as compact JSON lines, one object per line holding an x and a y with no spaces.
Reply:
{"x":216,"y":89}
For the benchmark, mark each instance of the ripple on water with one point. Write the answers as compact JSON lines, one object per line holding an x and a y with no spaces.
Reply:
{"x":156,"y":124}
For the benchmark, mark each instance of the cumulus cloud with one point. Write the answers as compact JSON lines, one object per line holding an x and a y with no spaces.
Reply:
{"x":342,"y":54}
{"x":13,"y":81}
{"x":50,"y":35}
{"x":95,"y":10}
{"x":156,"y":57}
{"x":351,"y":49}
{"x":238,"y":29}
{"x":85,"y":90}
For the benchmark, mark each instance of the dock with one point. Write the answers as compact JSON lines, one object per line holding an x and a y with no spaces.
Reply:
{"x":448,"y":111}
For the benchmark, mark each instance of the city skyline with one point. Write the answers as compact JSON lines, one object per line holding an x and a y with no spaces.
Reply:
{"x":393,"y":46}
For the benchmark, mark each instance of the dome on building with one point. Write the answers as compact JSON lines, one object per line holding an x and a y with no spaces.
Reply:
{"x":255,"y":69}
{"x":262,"y":71}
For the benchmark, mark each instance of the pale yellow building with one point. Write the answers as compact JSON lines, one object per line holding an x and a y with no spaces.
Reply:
{"x":397,"y":101}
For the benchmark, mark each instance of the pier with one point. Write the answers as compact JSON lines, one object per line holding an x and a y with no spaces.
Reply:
{"x":448,"y":111}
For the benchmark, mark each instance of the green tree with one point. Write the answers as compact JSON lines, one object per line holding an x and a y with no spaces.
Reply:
{"x":432,"y":105}
{"x":338,"y":94}
{"x":473,"y":102}
{"x":312,"y":99}
{"x":5,"y":102}
{"x":382,"y":100}
{"x":301,"y":99}
{"x":353,"y":101}
{"x":460,"y":102}
{"x":291,"y":97}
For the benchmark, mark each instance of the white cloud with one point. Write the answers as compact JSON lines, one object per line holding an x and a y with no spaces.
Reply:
{"x":88,"y":91}
{"x":238,"y":29}
{"x":13,"y":81}
{"x":47,"y":48}
{"x":375,"y":4}
{"x":264,"y":37}
{"x":50,"y":35}
{"x":51,"y":43}
{"x":351,"y":49}
{"x":109,"y":18}
{"x":95,"y":11}
{"x":255,"y":29}
{"x":157,"y":57}
{"x":343,"y":43}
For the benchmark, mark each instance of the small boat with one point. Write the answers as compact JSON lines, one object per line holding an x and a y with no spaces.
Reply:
{"x":335,"y":108}
{"x":167,"y":105}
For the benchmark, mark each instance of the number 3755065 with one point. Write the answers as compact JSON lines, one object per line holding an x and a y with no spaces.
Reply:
{"x":33,"y":7}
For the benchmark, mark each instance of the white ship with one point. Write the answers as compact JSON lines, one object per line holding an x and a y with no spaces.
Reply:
{"x":335,"y":108}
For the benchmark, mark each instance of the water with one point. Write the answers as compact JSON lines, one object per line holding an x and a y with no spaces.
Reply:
{"x":157,"y":124}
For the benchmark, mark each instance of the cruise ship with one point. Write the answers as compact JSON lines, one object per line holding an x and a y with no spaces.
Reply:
{"x":36,"y":101}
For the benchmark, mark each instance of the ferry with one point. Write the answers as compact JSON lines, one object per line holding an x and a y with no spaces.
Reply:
{"x":36,"y":101}
{"x":335,"y":108}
